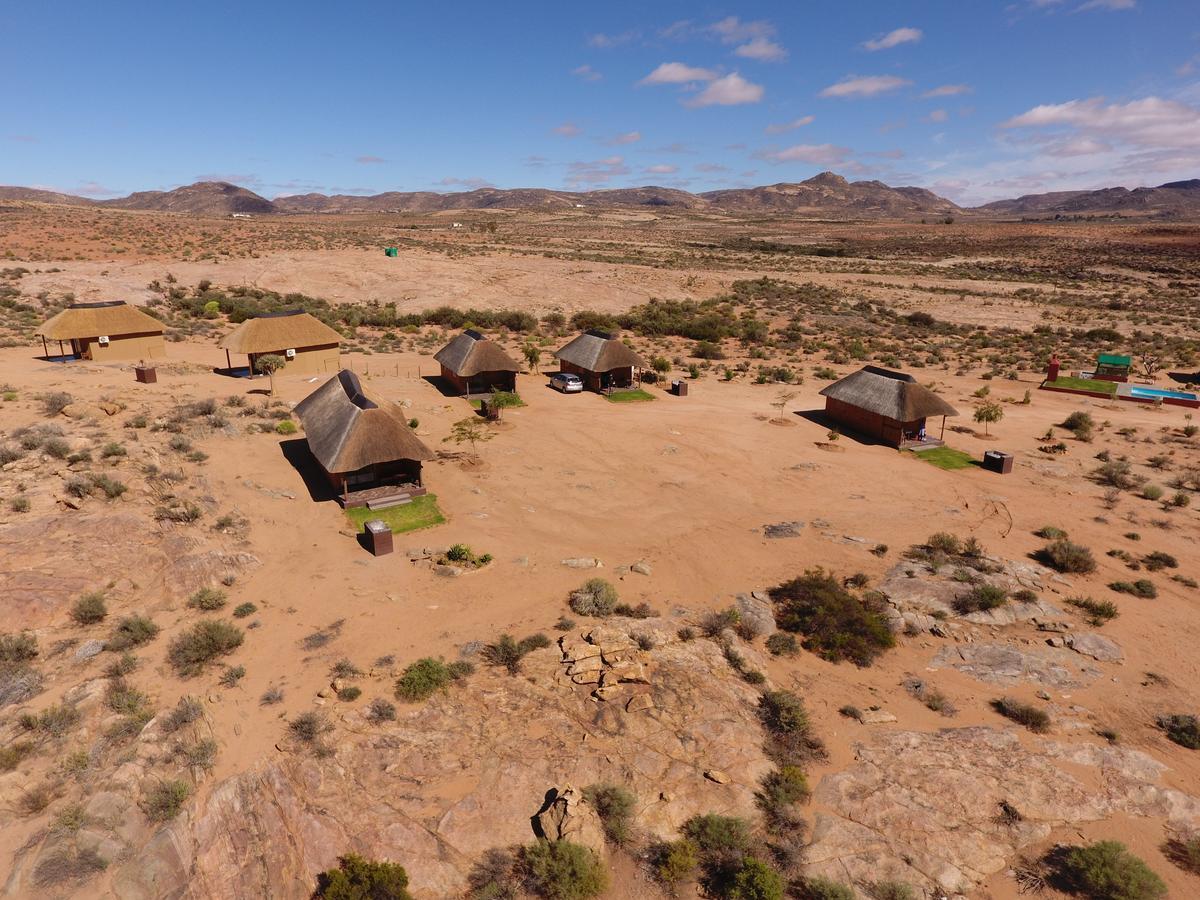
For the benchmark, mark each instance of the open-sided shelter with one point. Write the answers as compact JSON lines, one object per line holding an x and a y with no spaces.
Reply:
{"x":1113,"y":367}
{"x":307,"y":343}
{"x":603,"y":362}
{"x":362,"y":441}
{"x":475,"y":365}
{"x":887,"y":405}
{"x":103,"y":331}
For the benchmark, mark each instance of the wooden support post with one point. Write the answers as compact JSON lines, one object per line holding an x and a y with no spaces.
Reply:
{"x":45,"y":349}
{"x":228,"y":362}
{"x":61,"y":353}
{"x":943,"y":437}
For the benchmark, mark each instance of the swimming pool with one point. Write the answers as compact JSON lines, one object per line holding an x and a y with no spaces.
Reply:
{"x":1153,"y":393}
{"x":1157,"y":395}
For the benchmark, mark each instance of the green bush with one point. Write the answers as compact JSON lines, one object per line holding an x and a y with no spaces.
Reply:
{"x":981,"y":598}
{"x":836,"y":625}
{"x":889,"y":890}
{"x":944,"y":542}
{"x":186,"y":711}
{"x":755,"y":880}
{"x":1184,"y":730}
{"x":823,"y":889}
{"x":244,"y":609}
{"x":561,"y":870}
{"x":18,"y":648}
{"x":1064,"y":556}
{"x":716,"y":835}
{"x":1097,"y":612}
{"x":131,"y":631}
{"x":1051,"y":533}
{"x":1158,"y":560}
{"x":190,"y":652}
{"x":780,"y":792}
{"x":782,"y":644}
{"x":285,"y":426}
{"x":596,"y":598}
{"x":357,"y":878}
{"x":790,"y":736}
{"x":1143,"y":588}
{"x":164,"y":800}
{"x":508,"y":652}
{"x":614,"y":804}
{"x":1184,"y":852}
{"x":674,"y":861}
{"x":425,"y":677}
{"x":1031,"y":717}
{"x":207,"y":599}
{"x":1152,"y":492}
{"x":1107,"y":870}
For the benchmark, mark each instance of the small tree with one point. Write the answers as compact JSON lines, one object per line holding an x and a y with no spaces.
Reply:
{"x":1151,"y":363}
{"x":356,"y":878}
{"x":782,"y":399}
{"x":469,"y":431}
{"x":533,"y":356}
{"x":268,"y":365}
{"x":988,"y":412}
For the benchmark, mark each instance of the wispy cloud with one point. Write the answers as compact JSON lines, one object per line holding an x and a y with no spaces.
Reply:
{"x":661,"y":169}
{"x":678,"y":73}
{"x":763,"y":49}
{"x":602,"y":41}
{"x":1107,"y":4}
{"x":894,"y":39}
{"x":1149,"y":122}
{"x":599,"y":171}
{"x":586,"y":73}
{"x":369,"y":160}
{"x":629,"y":137}
{"x":728,"y":90}
{"x":468,"y":183}
{"x":937,"y":115}
{"x":97,"y":191}
{"x":567,"y":130}
{"x":242,"y":179}
{"x":813,"y":154}
{"x":754,"y":39}
{"x":783,"y":127}
{"x":711,"y":168}
{"x":947,"y":90}
{"x":865,"y":86}
{"x":23,"y":138}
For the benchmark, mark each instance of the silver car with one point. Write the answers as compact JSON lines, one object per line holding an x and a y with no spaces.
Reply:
{"x":566,"y":382}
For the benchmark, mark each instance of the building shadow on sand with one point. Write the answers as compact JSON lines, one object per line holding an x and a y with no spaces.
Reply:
{"x":296,"y":452}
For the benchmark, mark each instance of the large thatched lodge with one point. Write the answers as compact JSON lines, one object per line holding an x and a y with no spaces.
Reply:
{"x":363,"y":442}
{"x":475,"y":365}
{"x":886,"y":405}
{"x":603,"y":362}
{"x":308,"y":344}
{"x":104,"y":331}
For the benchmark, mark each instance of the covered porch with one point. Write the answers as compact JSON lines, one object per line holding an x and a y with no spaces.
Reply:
{"x":380,"y":485}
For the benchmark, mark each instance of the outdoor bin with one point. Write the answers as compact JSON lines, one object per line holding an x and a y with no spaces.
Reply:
{"x":391,"y":251}
{"x":995,"y":461}
{"x":146,"y":374}
{"x":679,"y":388}
{"x":378,"y":537}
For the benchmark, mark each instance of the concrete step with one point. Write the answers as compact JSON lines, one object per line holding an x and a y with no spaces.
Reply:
{"x":388,"y":502}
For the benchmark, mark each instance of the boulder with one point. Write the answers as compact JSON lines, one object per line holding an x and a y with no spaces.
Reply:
{"x":89,"y":649}
{"x":1095,"y":646}
{"x":567,"y":816}
{"x":582,"y":562}
{"x":756,"y":611}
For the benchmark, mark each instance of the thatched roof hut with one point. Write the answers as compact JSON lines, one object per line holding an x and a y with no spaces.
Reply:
{"x":473,"y":363}
{"x":601,"y":360}
{"x":883,"y":403}
{"x":349,"y":428}
{"x":308,"y":344}
{"x":108,"y":330}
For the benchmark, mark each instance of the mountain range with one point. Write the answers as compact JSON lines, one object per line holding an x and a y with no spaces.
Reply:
{"x":824,"y":196}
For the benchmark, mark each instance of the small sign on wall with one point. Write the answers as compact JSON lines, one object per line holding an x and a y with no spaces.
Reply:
{"x":103,"y":340}
{"x":290,"y":354}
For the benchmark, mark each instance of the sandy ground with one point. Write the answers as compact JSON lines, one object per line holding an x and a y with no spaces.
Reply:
{"x":685,"y":484}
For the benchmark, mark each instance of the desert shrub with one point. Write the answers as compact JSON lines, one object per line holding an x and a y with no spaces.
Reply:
{"x":122,"y":697}
{"x":1036,"y":720}
{"x":12,"y":755}
{"x":164,"y":800}
{"x":1184,"y":852}
{"x":642,"y":611}
{"x":1065,"y":556}
{"x":674,"y":861}
{"x":562,"y":870}
{"x":596,"y":597}
{"x":716,"y":622}
{"x":836,"y":625}
{"x":508,"y":652}
{"x":1097,"y":612}
{"x":349,"y":693}
{"x":755,"y":880}
{"x":309,"y":727}
{"x":424,"y":678}
{"x":285,"y":426}
{"x":614,"y":804}
{"x":1107,"y":870}
{"x":1152,"y":492}
{"x":944,"y":542}
{"x":889,"y":890}
{"x":1141,"y":588}
{"x":244,"y":609}
{"x":791,"y":740}
{"x":131,"y":631}
{"x":782,"y":644}
{"x":189,"y":652}
{"x":186,"y":711}
{"x":54,"y":403}
{"x":232,"y":675}
{"x":18,"y":648}
{"x":19,"y":504}
{"x":110,"y":487}
{"x":380,"y":710}
{"x":53,"y":721}
{"x":981,"y":598}
{"x":715,"y":835}
{"x":271,"y":696}
{"x":357,"y":878}
{"x":1078,"y":421}
{"x":1184,"y":730}
{"x":1116,"y":473}
{"x":779,"y":793}
{"x":823,"y":889}
{"x":1158,"y":560}
{"x":207,"y":599}
{"x":1051,"y":533}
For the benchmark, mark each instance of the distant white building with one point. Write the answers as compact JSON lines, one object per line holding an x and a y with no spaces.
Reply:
{"x":239,"y":215}
{"x":456,"y":224}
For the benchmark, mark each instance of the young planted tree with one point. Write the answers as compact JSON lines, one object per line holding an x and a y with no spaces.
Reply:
{"x":268,"y":365}
{"x":988,"y":412}
{"x":470,"y":430}
{"x":782,"y":399}
{"x":533,"y":356}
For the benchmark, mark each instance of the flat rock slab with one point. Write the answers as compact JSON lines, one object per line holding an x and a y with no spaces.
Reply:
{"x":1093,"y":645}
{"x":1006,"y":665}
{"x":755,"y":609}
{"x":783,"y":530}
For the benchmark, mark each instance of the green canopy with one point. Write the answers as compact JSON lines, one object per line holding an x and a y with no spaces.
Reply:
{"x":1111,"y":359}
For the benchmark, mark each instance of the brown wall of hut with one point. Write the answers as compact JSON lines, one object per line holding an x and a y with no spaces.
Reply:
{"x":324,"y":359}
{"x":482,"y":382}
{"x":868,"y":423}
{"x":121,"y":346}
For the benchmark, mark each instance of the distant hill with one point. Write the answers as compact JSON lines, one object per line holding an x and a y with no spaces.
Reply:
{"x":1176,"y":199}
{"x":824,"y":196}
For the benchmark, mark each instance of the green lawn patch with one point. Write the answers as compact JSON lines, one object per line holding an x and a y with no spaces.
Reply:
{"x":947,"y":458}
{"x":1083,"y":384}
{"x":423,"y":512}
{"x":636,"y":395}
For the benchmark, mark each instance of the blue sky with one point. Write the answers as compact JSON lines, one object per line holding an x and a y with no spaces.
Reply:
{"x":974,"y":99}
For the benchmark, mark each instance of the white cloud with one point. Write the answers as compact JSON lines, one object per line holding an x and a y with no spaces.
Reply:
{"x":763,"y":49}
{"x":662,"y":169}
{"x":711,"y":167}
{"x":729,"y":90}
{"x":568,"y":130}
{"x":678,"y":73}
{"x":597,"y":171}
{"x":732,"y":30}
{"x":603,"y":41}
{"x":629,"y":137}
{"x":96,"y":190}
{"x":813,"y":154}
{"x":947,"y":90}
{"x":865,"y":86}
{"x":469,"y":183}
{"x":782,"y":127}
{"x":1148,"y":123}
{"x":1107,"y":4}
{"x":894,"y":39}
{"x":937,"y":115}
{"x":586,"y":73}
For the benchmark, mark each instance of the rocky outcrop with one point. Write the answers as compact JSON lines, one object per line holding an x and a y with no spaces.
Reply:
{"x":1006,"y":665}
{"x":567,"y":816}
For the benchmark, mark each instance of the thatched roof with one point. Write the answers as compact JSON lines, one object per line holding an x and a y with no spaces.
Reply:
{"x":893,"y":395}
{"x":349,"y":428}
{"x":272,"y":332}
{"x":89,"y":320}
{"x":471,"y":353}
{"x":599,"y":351}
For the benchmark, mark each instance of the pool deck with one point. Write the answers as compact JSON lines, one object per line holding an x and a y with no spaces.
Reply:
{"x":1125,"y":392}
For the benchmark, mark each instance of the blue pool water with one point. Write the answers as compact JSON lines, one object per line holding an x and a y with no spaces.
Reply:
{"x":1156,"y":392}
